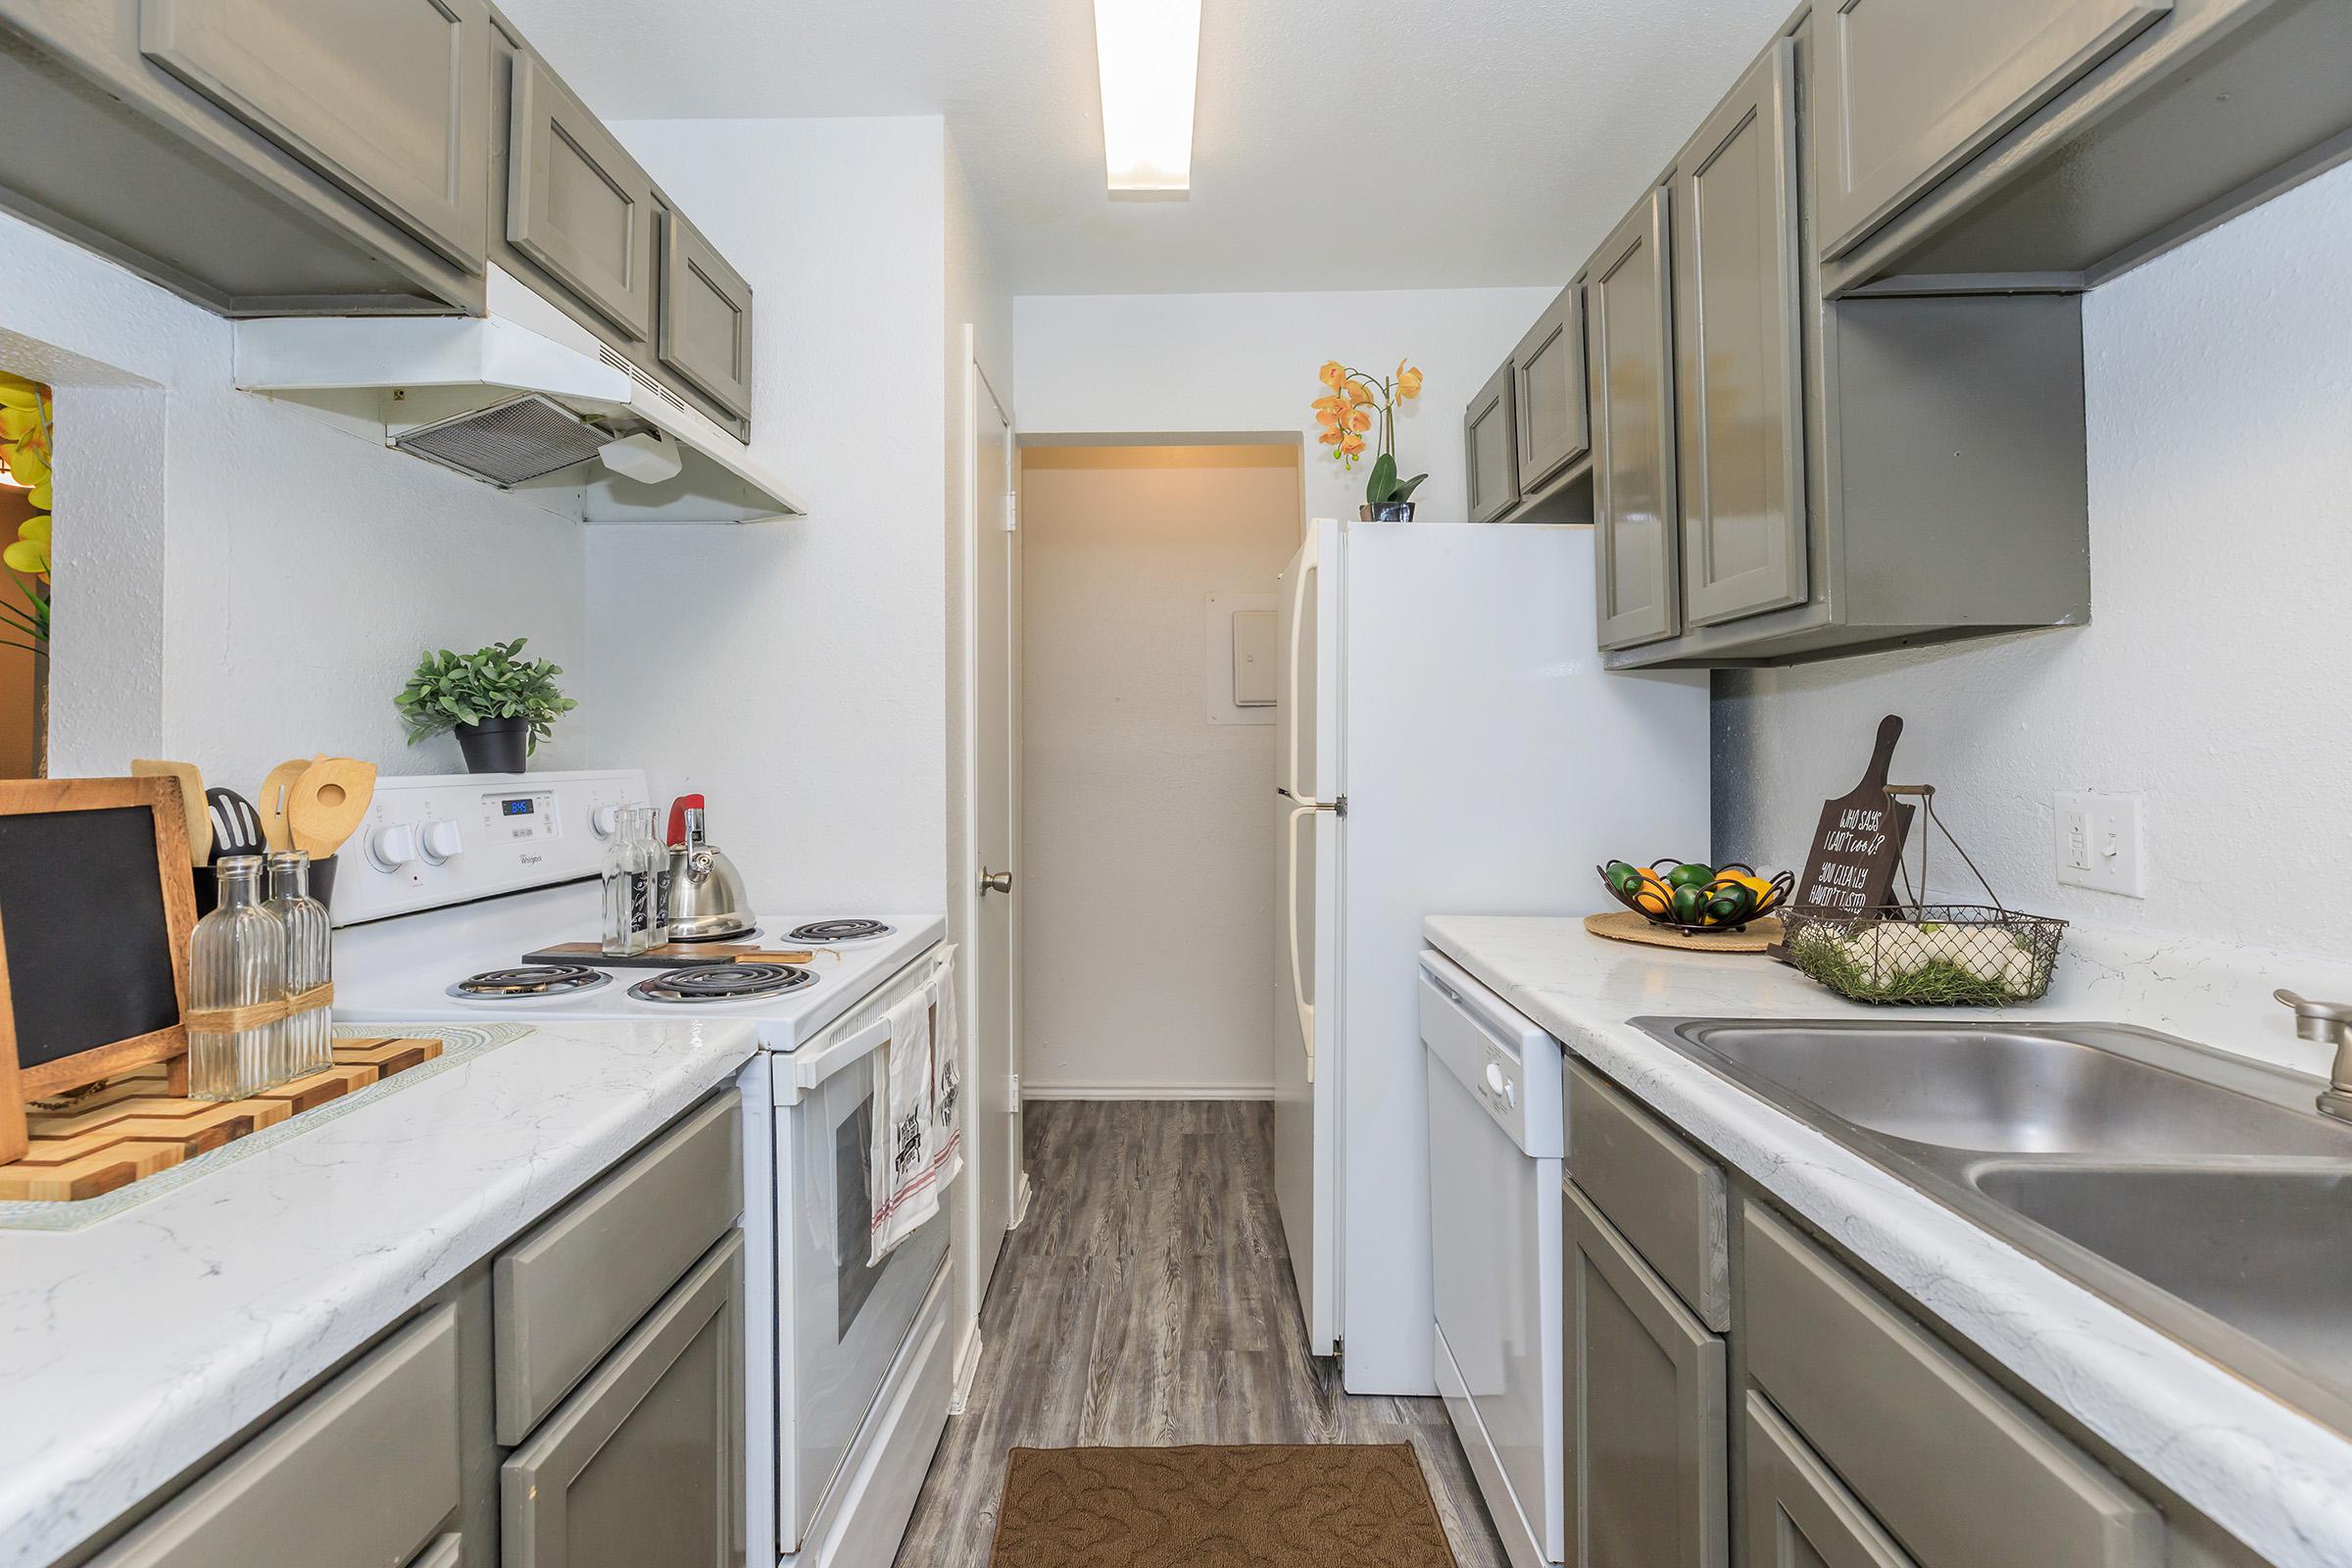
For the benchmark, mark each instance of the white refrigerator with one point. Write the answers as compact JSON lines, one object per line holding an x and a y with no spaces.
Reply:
{"x":1447,"y":742}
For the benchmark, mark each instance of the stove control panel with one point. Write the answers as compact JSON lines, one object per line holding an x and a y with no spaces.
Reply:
{"x":449,"y":837}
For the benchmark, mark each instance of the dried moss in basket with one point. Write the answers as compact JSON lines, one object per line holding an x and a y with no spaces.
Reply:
{"x":1858,"y":966}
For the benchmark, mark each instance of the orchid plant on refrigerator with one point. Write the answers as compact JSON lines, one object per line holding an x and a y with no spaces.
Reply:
{"x":1352,"y":404}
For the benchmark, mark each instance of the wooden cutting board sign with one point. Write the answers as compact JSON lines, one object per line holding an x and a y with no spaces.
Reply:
{"x":1851,"y":861}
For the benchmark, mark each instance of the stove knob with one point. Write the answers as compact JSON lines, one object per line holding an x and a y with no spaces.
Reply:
{"x":603,"y":819}
{"x":391,"y":847}
{"x":440,"y":839}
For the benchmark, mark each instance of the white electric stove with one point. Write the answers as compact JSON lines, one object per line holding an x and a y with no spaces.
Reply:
{"x":446,"y":890}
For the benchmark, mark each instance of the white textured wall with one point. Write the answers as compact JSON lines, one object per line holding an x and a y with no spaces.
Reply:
{"x":236,"y":583}
{"x":2213,"y":673}
{"x":795,"y":673}
{"x":1149,"y":916}
{"x":1170,"y":362}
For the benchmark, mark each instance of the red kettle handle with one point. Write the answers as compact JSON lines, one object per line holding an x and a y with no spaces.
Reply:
{"x":677,"y":817}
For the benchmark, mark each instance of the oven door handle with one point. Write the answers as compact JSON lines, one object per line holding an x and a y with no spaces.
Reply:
{"x":808,"y":1072}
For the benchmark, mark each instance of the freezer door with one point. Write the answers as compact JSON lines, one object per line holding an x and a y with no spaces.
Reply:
{"x":1306,"y":1065}
{"x":1306,"y":758}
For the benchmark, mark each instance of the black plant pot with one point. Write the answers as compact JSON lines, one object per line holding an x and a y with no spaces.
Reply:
{"x":495,"y":745}
{"x":1386,"y":512}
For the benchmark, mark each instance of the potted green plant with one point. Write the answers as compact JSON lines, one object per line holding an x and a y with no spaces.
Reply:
{"x":1347,"y":412}
{"x":499,"y":707}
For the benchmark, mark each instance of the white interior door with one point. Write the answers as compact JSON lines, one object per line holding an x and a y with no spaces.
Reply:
{"x":995,"y":968}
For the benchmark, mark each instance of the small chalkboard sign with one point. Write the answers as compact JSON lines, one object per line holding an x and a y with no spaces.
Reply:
{"x":96,"y":906}
{"x":1849,"y":866}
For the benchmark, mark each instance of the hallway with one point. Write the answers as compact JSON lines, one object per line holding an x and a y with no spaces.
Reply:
{"x":1145,"y":1300}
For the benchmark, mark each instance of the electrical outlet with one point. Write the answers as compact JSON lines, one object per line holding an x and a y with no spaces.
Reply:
{"x":2102,"y":843}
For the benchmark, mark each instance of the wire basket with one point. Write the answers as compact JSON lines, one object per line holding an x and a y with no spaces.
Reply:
{"x":1748,"y":903}
{"x":1920,"y":954}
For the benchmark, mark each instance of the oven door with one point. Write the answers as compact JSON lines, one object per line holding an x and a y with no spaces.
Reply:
{"x":844,"y":1321}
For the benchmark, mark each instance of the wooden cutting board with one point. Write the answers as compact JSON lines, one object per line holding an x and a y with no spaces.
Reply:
{"x":1624,"y":925}
{"x":89,"y":1145}
{"x":668,"y":955}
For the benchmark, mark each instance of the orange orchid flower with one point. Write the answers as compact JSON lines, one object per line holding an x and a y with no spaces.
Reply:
{"x":1333,"y":374}
{"x":1408,"y":380}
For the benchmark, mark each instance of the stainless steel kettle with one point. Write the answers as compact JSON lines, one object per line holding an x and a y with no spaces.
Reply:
{"x":707,"y":899}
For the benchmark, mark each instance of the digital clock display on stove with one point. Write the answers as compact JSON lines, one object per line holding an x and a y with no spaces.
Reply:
{"x":521,"y":807}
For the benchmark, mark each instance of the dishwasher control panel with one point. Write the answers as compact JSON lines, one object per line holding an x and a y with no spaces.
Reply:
{"x":1506,"y":1061}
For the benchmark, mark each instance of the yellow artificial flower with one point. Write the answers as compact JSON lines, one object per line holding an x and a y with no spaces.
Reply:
{"x":1333,"y":374}
{"x":27,"y":556}
{"x":19,"y":423}
{"x":1408,"y":380}
{"x":39,"y":495}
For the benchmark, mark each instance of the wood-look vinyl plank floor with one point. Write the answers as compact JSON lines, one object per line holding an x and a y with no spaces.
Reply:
{"x":1146,"y":1299}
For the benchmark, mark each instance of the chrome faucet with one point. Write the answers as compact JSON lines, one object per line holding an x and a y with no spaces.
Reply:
{"x":2331,"y":1024}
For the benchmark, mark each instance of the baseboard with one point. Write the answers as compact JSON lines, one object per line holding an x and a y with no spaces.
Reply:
{"x":967,"y":1368}
{"x":1021,"y":1207}
{"x":1084,"y":1091}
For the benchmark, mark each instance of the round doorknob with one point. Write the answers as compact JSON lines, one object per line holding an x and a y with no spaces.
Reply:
{"x":995,"y":881}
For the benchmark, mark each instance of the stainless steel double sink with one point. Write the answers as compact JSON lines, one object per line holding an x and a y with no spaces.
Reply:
{"x":2202,"y":1193}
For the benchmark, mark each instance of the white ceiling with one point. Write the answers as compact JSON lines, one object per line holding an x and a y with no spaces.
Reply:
{"x":1373,"y":144}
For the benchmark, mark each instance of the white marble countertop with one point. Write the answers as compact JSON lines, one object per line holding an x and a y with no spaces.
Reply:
{"x":2276,"y":1480}
{"x":132,"y":1347}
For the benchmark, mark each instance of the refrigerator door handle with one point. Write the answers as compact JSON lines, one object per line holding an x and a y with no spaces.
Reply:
{"x":1307,"y":574}
{"x":1306,"y":1010}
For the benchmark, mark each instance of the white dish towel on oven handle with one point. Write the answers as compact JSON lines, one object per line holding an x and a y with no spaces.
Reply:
{"x":918,"y":1089}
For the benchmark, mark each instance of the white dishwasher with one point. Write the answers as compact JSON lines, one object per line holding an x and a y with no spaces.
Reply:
{"x":1495,"y":1142}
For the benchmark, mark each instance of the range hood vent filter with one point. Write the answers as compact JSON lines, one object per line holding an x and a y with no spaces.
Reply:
{"x":508,"y":443}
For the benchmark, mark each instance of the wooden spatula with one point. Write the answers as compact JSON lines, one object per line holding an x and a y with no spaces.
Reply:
{"x":328,"y":802}
{"x":191,"y":801}
{"x":277,"y":793}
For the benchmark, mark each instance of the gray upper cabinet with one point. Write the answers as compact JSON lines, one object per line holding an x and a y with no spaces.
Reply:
{"x":390,"y":99}
{"x":1549,"y":390}
{"x":1738,"y":352}
{"x":1489,"y":449}
{"x":1647,"y":1484}
{"x":1630,"y":305}
{"x":706,"y":318}
{"x":577,"y":204}
{"x":1909,"y":89}
{"x":644,"y":1462}
{"x":362,"y":1474}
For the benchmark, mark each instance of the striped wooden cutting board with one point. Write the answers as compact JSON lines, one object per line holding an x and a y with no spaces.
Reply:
{"x":134,"y":1126}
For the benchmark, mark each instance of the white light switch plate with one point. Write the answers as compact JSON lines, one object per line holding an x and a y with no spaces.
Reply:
{"x":2101,"y":843}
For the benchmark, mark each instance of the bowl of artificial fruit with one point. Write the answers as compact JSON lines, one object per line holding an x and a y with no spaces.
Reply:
{"x":1694,"y":895}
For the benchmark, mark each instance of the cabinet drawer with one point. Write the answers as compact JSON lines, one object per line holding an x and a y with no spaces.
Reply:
{"x":1667,"y":1198}
{"x":569,"y":1292}
{"x":705,"y":331}
{"x":362,"y":1474}
{"x":645,"y":1464}
{"x":1491,"y":449}
{"x":577,"y":205}
{"x":1957,"y":1471}
{"x":1549,"y":390}
{"x":391,"y":99}
{"x":1910,"y":89}
{"x":1799,"y":1515}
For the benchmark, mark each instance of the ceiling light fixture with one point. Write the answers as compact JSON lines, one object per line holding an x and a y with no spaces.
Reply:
{"x":1148,"y":52}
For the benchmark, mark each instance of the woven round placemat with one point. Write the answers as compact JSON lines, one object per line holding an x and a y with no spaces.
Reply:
{"x":1623,"y":925}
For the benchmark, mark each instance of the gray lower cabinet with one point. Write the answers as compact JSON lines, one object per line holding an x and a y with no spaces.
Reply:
{"x":1648,"y":1483}
{"x":706,"y":318}
{"x":1911,"y":88}
{"x":1489,"y":449}
{"x":390,"y":99}
{"x":362,"y":1474}
{"x":577,"y":205}
{"x":1799,"y":1515}
{"x":1738,"y":351}
{"x":1958,"y":1472}
{"x":1630,"y":326}
{"x":644,"y":1462}
{"x":1547,"y":374}
{"x":447,"y":1553}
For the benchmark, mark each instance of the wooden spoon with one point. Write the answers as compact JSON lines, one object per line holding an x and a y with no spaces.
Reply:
{"x":328,"y":802}
{"x":277,"y":793}
{"x":191,"y":802}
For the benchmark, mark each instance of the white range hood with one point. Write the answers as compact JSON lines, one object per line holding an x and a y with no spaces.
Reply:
{"x":503,"y":397}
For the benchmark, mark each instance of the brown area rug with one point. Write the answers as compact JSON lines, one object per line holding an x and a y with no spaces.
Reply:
{"x":1319,"y":1505}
